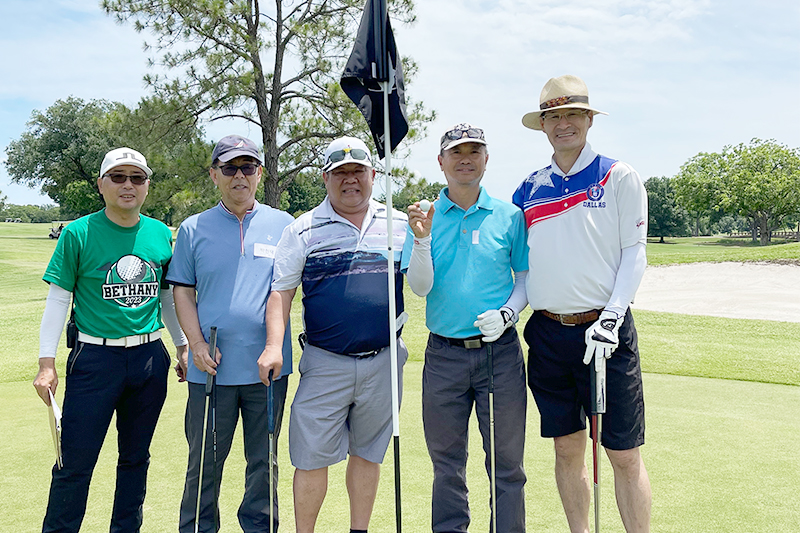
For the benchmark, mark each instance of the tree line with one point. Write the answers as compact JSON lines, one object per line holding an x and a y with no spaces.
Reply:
{"x":751,"y":187}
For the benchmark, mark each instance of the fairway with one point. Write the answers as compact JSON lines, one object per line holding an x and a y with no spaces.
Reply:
{"x":723,"y":415}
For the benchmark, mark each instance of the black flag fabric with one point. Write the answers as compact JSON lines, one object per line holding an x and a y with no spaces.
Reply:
{"x":374,"y":59}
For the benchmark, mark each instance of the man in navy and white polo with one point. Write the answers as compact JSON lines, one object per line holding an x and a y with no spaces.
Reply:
{"x":338,"y":252}
{"x":587,"y":230}
{"x":467,"y":257}
{"x":222,"y":272}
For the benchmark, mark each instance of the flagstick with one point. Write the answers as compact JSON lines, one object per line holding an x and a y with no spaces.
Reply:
{"x":392,"y":304}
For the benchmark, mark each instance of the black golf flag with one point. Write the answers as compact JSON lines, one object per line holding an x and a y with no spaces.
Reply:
{"x":374,"y":59}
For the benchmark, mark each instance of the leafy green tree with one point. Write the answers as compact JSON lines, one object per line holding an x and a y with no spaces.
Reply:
{"x":698,"y":187}
{"x":763,"y":183}
{"x":32,"y":213}
{"x":666,"y":217}
{"x":413,"y":191}
{"x":63,"y":147}
{"x":275,"y":65}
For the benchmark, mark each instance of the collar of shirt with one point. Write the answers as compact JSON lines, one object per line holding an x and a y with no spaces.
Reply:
{"x":584,"y":160}
{"x":229,"y":213}
{"x":325,"y":211}
{"x":445,"y":204}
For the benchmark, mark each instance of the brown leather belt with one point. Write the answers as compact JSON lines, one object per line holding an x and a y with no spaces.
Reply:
{"x":575,"y":319}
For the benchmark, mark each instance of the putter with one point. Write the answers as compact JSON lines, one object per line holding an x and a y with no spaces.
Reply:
{"x":271,"y":432}
{"x":212,"y":348}
{"x":598,"y":392}
{"x":492,"y":468}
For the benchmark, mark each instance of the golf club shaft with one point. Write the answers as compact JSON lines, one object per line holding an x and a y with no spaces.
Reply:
{"x":492,"y":465}
{"x":597,"y":382}
{"x":271,"y":432}
{"x":209,"y":385}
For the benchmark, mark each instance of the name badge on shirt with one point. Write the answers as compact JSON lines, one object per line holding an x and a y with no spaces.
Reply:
{"x":264,"y":250}
{"x":476,"y":234}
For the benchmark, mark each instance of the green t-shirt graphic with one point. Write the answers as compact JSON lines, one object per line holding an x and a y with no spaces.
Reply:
{"x":114,"y":273}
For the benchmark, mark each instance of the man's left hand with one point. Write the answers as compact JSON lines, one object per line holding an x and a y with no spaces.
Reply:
{"x":602,"y":338}
{"x":495,"y":322}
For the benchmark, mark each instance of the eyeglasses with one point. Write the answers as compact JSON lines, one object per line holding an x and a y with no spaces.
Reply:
{"x":459,"y":133}
{"x":572,"y":115}
{"x":248,"y":169}
{"x":122,"y":178}
{"x":340,"y":155}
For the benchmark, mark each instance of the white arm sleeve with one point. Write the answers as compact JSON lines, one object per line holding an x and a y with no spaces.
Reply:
{"x":170,"y":318}
{"x":56,"y":308}
{"x":420,"y":267}
{"x":629,"y":276}
{"x":519,"y":297}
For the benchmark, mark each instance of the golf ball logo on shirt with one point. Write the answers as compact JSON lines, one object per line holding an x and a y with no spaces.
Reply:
{"x":131,"y":282}
{"x":594,"y":193}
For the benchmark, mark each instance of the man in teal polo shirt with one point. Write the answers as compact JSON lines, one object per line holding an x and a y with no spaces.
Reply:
{"x":467,"y":255}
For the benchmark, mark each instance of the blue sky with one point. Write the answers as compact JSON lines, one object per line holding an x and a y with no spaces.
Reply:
{"x":677,"y":77}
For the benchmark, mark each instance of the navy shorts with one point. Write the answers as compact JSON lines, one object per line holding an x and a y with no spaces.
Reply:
{"x":560,"y":384}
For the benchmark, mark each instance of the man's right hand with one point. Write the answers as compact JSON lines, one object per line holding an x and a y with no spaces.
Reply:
{"x":419,"y":221}
{"x":46,"y":379}
{"x":270,"y":363}
{"x":202,"y":359}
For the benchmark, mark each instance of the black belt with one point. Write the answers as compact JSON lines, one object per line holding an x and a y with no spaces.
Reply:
{"x":470,"y":343}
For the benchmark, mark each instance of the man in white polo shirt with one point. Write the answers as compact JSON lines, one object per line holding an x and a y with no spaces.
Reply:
{"x":338,"y":252}
{"x":587,"y":230}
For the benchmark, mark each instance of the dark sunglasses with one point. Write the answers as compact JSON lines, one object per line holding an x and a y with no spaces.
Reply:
{"x":122,"y":178}
{"x":248,"y":169}
{"x":355,"y":153}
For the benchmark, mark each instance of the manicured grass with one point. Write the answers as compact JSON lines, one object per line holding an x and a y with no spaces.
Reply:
{"x":717,"y":249}
{"x":720,"y":452}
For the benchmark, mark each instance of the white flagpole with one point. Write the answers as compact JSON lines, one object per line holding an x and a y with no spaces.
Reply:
{"x":392,"y":303}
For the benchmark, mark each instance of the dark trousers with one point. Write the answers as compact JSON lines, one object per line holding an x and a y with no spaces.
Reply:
{"x":454,"y":380}
{"x":100,"y":381}
{"x":251,"y":402}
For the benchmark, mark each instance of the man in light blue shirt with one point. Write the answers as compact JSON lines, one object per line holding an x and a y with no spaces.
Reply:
{"x":467,"y":255}
{"x":222,"y":272}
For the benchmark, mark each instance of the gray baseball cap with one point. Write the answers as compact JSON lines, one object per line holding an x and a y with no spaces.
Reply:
{"x":233,"y":146}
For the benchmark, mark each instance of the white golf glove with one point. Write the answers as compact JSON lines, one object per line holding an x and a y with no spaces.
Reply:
{"x":602,"y":338}
{"x":494,"y":322}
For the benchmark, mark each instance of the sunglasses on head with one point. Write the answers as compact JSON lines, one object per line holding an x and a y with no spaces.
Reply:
{"x":355,"y":153}
{"x":459,"y":133}
{"x":248,"y":169}
{"x":122,"y":178}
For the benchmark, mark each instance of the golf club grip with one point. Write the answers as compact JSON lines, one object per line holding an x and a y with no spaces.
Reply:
{"x":212,"y":352}
{"x":271,"y":405}
{"x":490,"y":365}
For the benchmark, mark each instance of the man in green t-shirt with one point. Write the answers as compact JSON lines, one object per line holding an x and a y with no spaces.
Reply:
{"x":112,"y":264}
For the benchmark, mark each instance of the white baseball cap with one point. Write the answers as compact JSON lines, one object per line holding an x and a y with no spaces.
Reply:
{"x":346,"y":150}
{"x":124,"y":156}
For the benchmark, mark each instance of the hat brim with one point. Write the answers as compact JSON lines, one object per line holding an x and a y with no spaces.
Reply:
{"x":462,"y":141}
{"x":233,"y":154}
{"x":362,"y":162}
{"x":533,"y":121}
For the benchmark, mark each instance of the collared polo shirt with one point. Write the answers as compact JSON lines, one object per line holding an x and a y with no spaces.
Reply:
{"x":344,"y":273}
{"x":578,"y":223}
{"x":475,"y":253}
{"x":230,"y":263}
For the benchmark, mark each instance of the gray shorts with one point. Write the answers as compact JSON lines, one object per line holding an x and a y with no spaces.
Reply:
{"x":343,"y":405}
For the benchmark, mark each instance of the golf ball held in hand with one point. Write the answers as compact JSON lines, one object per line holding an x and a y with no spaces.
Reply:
{"x":425,"y":205}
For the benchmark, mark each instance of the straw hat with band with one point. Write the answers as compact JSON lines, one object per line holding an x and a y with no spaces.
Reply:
{"x":563,"y":92}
